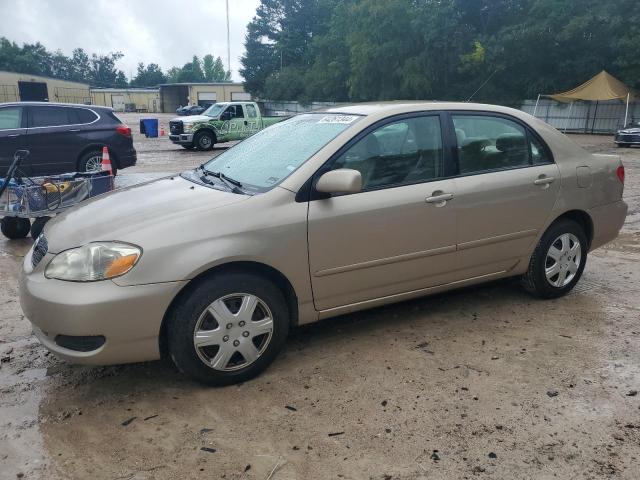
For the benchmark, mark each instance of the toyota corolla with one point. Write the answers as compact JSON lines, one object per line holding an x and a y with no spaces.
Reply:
{"x":319,"y":215}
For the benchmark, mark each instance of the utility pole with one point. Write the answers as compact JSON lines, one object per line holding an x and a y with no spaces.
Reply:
{"x":228,"y":41}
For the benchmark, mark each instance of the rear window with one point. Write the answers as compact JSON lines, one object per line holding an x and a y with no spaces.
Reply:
{"x":48,"y":116}
{"x":82,"y":115}
{"x":10,"y":118}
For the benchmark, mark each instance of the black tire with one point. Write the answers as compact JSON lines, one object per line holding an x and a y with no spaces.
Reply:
{"x":204,"y":141}
{"x":188,"y":147}
{"x":622,"y":145}
{"x":37,"y":226}
{"x":185,"y":316}
{"x":14,"y":228}
{"x":535,"y":280}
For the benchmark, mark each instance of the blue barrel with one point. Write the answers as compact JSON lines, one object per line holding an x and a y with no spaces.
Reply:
{"x":150,"y":127}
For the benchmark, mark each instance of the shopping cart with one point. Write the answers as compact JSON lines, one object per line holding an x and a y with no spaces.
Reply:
{"x":23,"y":198}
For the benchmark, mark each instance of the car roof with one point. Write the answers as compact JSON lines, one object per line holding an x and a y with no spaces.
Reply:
{"x":55,"y":104}
{"x":406,"y":106}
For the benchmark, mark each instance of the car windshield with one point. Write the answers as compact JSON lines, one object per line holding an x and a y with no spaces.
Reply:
{"x":271,"y":155}
{"x":215,"y":110}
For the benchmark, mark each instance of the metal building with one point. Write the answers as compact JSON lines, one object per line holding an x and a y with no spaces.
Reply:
{"x":174,"y":95}
{"x":16,"y":87}
{"x":127,"y":99}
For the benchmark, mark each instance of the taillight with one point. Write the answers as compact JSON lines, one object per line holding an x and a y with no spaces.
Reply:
{"x":620,"y":173}
{"x":124,"y":131}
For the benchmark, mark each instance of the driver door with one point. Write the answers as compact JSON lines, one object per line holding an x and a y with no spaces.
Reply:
{"x":392,"y":237}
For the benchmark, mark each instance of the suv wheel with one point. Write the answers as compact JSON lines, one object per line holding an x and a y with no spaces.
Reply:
{"x":558,"y":261}
{"x":204,"y":141}
{"x":14,"y":227}
{"x":228,"y":329}
{"x":92,"y":162}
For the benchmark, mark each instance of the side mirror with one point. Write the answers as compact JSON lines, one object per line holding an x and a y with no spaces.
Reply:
{"x":343,"y":180}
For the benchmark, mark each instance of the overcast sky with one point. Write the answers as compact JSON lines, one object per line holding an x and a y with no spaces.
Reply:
{"x":165,"y":32}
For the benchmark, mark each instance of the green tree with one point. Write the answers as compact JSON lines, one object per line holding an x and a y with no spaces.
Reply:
{"x":148,"y":76}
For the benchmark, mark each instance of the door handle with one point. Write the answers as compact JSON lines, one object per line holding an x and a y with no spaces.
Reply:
{"x":439,"y":198}
{"x":13,"y":135}
{"x":544,"y":180}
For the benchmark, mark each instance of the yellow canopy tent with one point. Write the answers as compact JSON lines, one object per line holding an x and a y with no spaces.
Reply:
{"x":601,"y":87}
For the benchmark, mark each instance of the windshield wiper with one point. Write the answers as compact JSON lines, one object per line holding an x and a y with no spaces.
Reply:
{"x":233,"y":185}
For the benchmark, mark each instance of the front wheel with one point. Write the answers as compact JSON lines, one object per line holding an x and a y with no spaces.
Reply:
{"x":228,"y":328}
{"x":14,"y":227}
{"x":204,"y":141}
{"x":558,"y":261}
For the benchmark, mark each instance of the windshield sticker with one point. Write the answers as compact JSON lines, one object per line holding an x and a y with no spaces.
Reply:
{"x":338,"y":119}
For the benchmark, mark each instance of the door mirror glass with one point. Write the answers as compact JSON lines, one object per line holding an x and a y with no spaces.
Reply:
{"x":343,"y":180}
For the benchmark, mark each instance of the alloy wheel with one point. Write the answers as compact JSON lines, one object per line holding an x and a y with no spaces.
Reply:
{"x":563,"y":260}
{"x":94,"y":164}
{"x":233,"y":332}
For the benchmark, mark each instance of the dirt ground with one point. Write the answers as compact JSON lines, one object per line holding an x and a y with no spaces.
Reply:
{"x":484,"y":382}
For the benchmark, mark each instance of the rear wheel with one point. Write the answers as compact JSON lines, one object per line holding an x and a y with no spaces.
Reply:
{"x":13,"y":227}
{"x":558,"y":261}
{"x":91,"y":162}
{"x":228,"y":328}
{"x":204,"y":140}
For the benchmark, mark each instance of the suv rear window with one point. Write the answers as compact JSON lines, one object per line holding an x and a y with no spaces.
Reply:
{"x":48,"y":116}
{"x":82,"y":115}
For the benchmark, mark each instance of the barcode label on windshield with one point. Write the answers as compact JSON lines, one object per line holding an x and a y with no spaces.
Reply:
{"x":338,"y":119}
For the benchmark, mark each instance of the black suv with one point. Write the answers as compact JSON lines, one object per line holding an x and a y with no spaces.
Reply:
{"x":62,"y":137}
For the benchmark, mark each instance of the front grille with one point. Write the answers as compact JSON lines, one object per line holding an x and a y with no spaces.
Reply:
{"x":621,"y":137}
{"x":39,"y":251}
{"x":175,"y":127}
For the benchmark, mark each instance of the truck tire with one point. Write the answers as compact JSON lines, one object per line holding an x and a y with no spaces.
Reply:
{"x":204,"y":141}
{"x":14,"y":227}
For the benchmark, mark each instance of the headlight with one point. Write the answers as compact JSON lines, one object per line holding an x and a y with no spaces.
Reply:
{"x":186,"y":127}
{"x":93,"y":261}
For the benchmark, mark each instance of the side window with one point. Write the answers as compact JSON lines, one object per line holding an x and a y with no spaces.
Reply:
{"x":402,"y":152}
{"x":82,"y":115}
{"x":10,"y":117}
{"x":239,"y":113}
{"x":48,"y":116}
{"x":489,"y":143}
{"x":251,"y":111}
{"x":539,"y":154}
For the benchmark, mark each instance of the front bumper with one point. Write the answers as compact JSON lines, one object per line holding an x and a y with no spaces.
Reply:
{"x":129,"y":318}
{"x":182,"y":139}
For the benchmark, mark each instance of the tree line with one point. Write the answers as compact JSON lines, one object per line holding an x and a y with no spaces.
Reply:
{"x":357,"y":50}
{"x":101,"y":70}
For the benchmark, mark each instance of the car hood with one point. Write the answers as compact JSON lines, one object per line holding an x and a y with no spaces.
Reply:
{"x":134,"y":212}
{"x":192,"y":118}
{"x":630,"y":130}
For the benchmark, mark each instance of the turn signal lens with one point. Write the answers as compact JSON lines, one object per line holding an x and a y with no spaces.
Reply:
{"x":120,"y":266}
{"x":620,"y":173}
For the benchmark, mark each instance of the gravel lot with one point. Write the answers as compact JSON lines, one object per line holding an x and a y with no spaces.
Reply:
{"x":484,"y":382}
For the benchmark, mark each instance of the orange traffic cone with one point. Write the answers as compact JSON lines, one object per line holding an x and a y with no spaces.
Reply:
{"x":106,"y":161}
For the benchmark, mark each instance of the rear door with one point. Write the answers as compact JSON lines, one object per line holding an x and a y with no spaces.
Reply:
{"x":12,"y":135}
{"x":51,"y":139}
{"x":506,"y":188}
{"x":237,"y":123}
